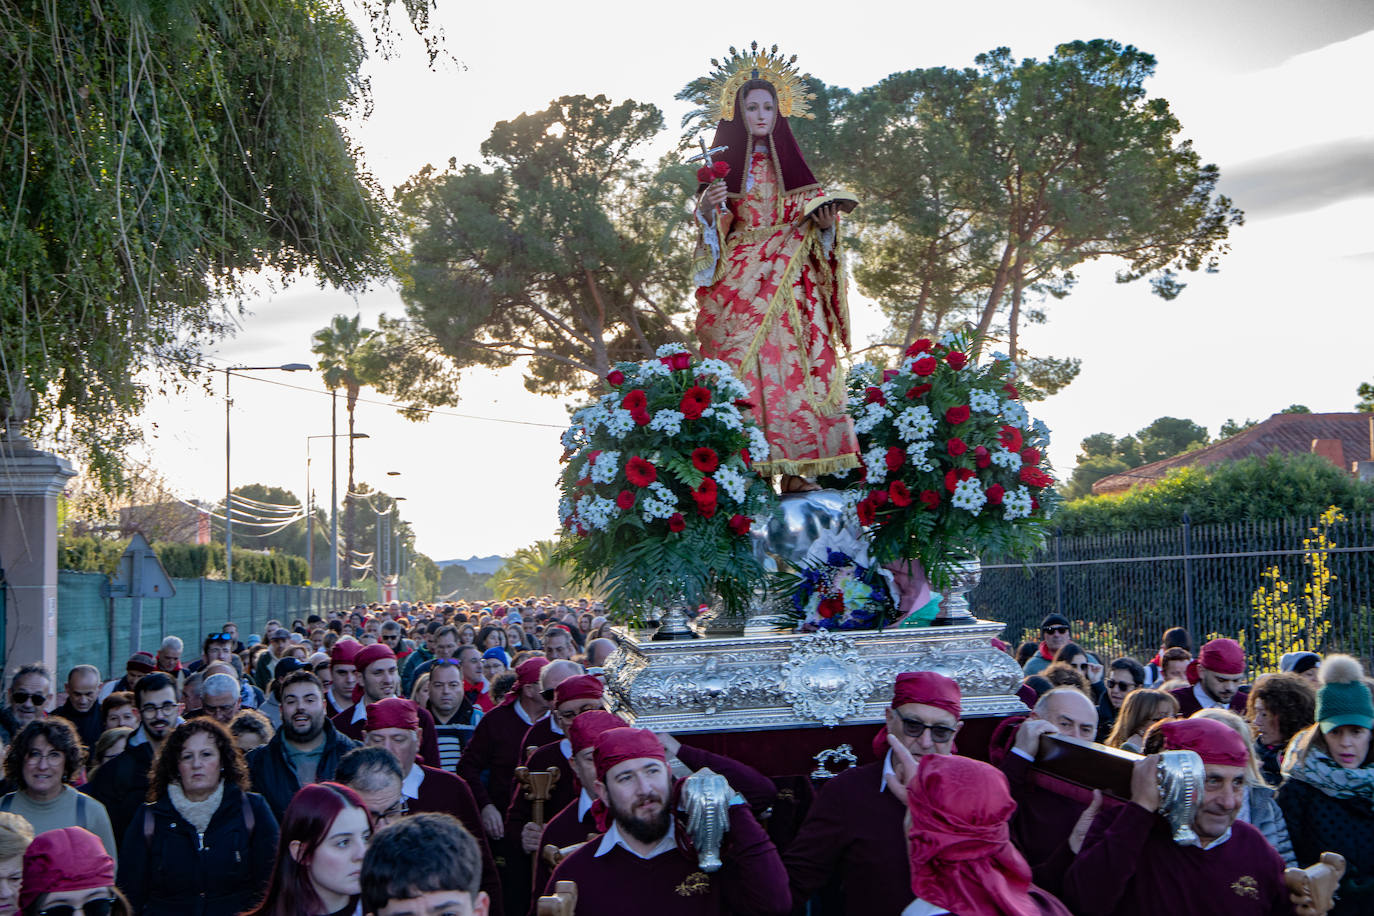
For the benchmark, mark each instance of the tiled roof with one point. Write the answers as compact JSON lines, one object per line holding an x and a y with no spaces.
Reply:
{"x":1285,"y":433}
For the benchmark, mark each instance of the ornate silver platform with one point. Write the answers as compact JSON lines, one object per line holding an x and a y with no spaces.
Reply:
{"x":783,"y":680}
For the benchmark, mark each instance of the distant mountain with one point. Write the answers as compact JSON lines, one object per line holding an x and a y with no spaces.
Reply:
{"x":476,"y":565}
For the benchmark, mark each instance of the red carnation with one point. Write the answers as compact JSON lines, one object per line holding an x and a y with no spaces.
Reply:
{"x":1010,"y":437}
{"x":874,"y":395}
{"x":1034,"y":477}
{"x":706,"y":509}
{"x":981,"y":456}
{"x":694,"y":401}
{"x":895,"y":457}
{"x":740,"y":524}
{"x":930,"y":499}
{"x":626,"y":500}
{"x":705,"y":459}
{"x":720,"y":169}
{"x":919,"y":391}
{"x":635,"y":401}
{"x":956,"y":446}
{"x":878,"y":498}
{"x":706,"y":491}
{"x":924,"y":366}
{"x":866,"y":514}
{"x":957,"y":415}
{"x":901,"y":496}
{"x":1030,"y":456}
{"x":956,"y":359}
{"x":829,"y":607}
{"x":640,"y":472}
{"x":677,"y":522}
{"x":954,"y":475}
{"x":1011,"y":391}
{"x":995,"y":494}
{"x":616,"y":377}
{"x":641,"y":417}
{"x":919,"y":346}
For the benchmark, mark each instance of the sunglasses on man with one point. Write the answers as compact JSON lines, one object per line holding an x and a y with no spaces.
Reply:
{"x":20,"y":697}
{"x":1056,"y":631}
{"x":220,"y":637}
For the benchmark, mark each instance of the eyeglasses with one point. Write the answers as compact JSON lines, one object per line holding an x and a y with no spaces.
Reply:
{"x":1055,"y":631}
{"x":98,"y":907}
{"x":1119,"y":685}
{"x":166,"y":709}
{"x":36,"y":756}
{"x":20,"y":698}
{"x":217,"y":637}
{"x":398,"y":810}
{"x":915,"y":728}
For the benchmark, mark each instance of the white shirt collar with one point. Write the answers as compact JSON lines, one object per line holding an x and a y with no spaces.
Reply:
{"x":1205,"y":698}
{"x":1212,"y":845}
{"x":359,"y":711}
{"x":612,"y":839}
{"x":887,"y":769}
{"x":557,"y":729}
{"x":524,"y":716}
{"x":566,"y":747}
{"x":584,"y":804}
{"x":919,"y":907}
{"x":410,"y":786}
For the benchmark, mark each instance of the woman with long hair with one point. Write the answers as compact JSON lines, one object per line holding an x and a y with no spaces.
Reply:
{"x":1140,"y":710}
{"x":203,"y":844}
{"x":1279,"y":706}
{"x":324,"y":833}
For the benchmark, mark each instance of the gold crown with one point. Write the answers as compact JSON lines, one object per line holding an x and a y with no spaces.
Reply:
{"x":726,"y":79}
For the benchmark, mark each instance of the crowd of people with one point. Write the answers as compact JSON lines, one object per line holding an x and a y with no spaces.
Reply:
{"x":371,"y":763}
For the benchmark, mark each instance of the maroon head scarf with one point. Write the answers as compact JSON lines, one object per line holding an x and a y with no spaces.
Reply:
{"x":66,"y":859}
{"x":793,"y":170}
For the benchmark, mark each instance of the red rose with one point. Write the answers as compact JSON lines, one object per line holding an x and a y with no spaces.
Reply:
{"x":641,"y":417}
{"x":682,"y":360}
{"x":1030,"y":456}
{"x":919,"y":391}
{"x":1034,"y":477}
{"x":829,"y":607}
{"x":981,"y":456}
{"x":895,"y":457}
{"x":873,"y":395}
{"x":740,"y":524}
{"x":900,"y":495}
{"x":720,"y":169}
{"x":956,"y":446}
{"x":694,"y":401}
{"x":1035,"y":503}
{"x":616,"y":377}
{"x":954,"y":475}
{"x":890,"y":374}
{"x":635,"y":401}
{"x":626,"y":500}
{"x":878,"y":498}
{"x":919,"y":346}
{"x":705,"y":175}
{"x":705,"y":459}
{"x":956,"y":359}
{"x":1010,"y":437}
{"x":1011,"y":391}
{"x":957,"y":415}
{"x":924,"y":366}
{"x":866,"y":513}
{"x":930,"y":499}
{"x":677,"y":522}
{"x":706,"y":509}
{"x":995,"y":494}
{"x":640,"y":472}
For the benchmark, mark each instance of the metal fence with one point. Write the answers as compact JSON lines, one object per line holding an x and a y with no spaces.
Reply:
{"x":92,"y":629}
{"x":1123,"y":590}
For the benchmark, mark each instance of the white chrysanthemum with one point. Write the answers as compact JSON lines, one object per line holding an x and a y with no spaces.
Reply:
{"x":729,"y":416}
{"x":619,"y":422}
{"x":863,"y":371}
{"x":572,"y":437}
{"x":1016,"y":504}
{"x":731,"y":387}
{"x":983,"y":401}
{"x":565,"y":510}
{"x":1039,"y":434}
{"x":758,"y":443}
{"x":605,"y":467}
{"x":670,"y":349}
{"x":875,"y":459}
{"x":915,"y":423}
{"x":1005,"y":459}
{"x":650,"y":370}
{"x":660,"y":491}
{"x":667,"y":421}
{"x":968,"y":494}
{"x":870,"y":417}
{"x":1000,"y":356}
{"x":1014,"y":413}
{"x":918,"y":453}
{"x":948,"y":338}
{"x":656,"y":508}
{"x":593,"y":417}
{"x":597,"y":511}
{"x":732,"y":482}
{"x":716,"y":367}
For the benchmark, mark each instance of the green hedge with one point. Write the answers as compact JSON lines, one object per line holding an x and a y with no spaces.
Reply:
{"x":1251,"y":489}
{"x":186,"y":561}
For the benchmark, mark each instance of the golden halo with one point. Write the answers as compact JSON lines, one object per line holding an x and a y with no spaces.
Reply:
{"x":726,"y":79}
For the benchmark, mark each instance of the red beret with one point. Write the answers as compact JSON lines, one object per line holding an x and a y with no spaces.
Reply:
{"x":1222,"y":655}
{"x":1213,"y":741}
{"x":67,"y":859}
{"x":586,"y":728}
{"x":345,"y":652}
{"x":367,"y":655}
{"x":141,"y":661}
{"x":393,"y":712}
{"x":527,"y":672}
{"x":928,"y":688}
{"x":580,"y":687}
{"x":621,"y":744}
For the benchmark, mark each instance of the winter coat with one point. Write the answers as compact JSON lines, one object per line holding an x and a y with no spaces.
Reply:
{"x":1267,"y":818}
{"x":273,"y":777}
{"x":1319,"y":823}
{"x":166,"y":868}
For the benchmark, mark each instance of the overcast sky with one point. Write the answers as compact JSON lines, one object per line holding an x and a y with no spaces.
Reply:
{"x":1275,"y":93}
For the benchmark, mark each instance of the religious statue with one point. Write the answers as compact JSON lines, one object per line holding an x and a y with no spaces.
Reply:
{"x":772,"y":292}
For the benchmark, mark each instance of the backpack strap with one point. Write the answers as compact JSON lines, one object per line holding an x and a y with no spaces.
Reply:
{"x":80,"y":810}
{"x":7,"y":802}
{"x":248,"y":818}
{"x":148,"y":827}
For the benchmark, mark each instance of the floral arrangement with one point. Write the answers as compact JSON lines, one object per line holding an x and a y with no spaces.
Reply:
{"x":658,"y":492}
{"x":838,"y":587}
{"x":952,"y":464}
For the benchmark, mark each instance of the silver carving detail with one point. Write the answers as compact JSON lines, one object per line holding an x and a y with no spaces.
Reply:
{"x":1181,"y":779}
{"x":843,"y":754}
{"x":954,"y":606}
{"x":706,"y":800}
{"x":825,"y":678}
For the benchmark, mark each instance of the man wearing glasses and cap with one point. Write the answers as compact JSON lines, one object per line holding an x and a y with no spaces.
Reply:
{"x":1054,"y":635}
{"x":217,"y":647}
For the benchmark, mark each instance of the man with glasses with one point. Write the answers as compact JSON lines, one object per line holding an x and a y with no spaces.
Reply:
{"x":220,"y":698}
{"x":379,"y":679}
{"x":306,"y":748}
{"x":1055,"y":634}
{"x":1123,"y":676}
{"x":122,"y":784}
{"x":217,"y":647}
{"x":854,"y":830}
{"x":81,"y":707}
{"x":29,"y":691}
{"x":552,"y":727}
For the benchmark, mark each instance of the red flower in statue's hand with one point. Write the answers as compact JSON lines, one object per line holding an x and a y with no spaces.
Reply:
{"x":740,"y":524}
{"x":957,"y":415}
{"x":981,"y":456}
{"x":924,"y":366}
{"x":895,"y":457}
{"x":930,"y":499}
{"x":866,"y":512}
{"x":919,"y":391}
{"x":829,"y":607}
{"x":705,"y":459}
{"x":640,"y":472}
{"x":705,"y":175}
{"x":635,"y":400}
{"x":900,"y":495}
{"x":626,"y":500}
{"x":920,"y":346}
{"x":616,"y":377}
{"x":956,"y":359}
{"x":1010,"y":437}
{"x":1030,"y":456}
{"x":874,"y":395}
{"x":720,"y":169}
{"x":677,"y":522}
{"x":1034,"y":477}
{"x":956,"y":446}
{"x":694,"y":401}
{"x":995,"y":494}
{"x":954,"y":476}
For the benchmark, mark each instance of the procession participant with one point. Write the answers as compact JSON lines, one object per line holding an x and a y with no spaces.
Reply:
{"x":378,"y":680}
{"x":559,"y":643}
{"x":1055,"y":634}
{"x":1141,"y":709}
{"x":455,"y":718}
{"x":118,"y":711}
{"x":1123,"y":676}
{"x":854,"y":827}
{"x":343,"y":674}
{"x":1216,"y":678}
{"x":1158,"y":670}
{"x":278,"y":641}
{"x":121,"y":784}
{"x":221,"y":699}
{"x":445,"y":642}
{"x":959,"y":849}
{"x":68,"y":868}
{"x":1129,"y":861}
{"x":81,"y":708}
{"x":496,"y":747}
{"x":598,"y":650}
{"x":305,"y":750}
{"x":639,"y":858}
{"x":551,"y":727}
{"x":1259,"y":807}
{"x":424,"y":866}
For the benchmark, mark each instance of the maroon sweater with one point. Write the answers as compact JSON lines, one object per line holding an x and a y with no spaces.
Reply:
{"x":539,"y":734}
{"x":563,"y":830}
{"x":752,"y":882}
{"x":494,"y":751}
{"x":429,"y":739}
{"x":1130,"y":866}
{"x":854,"y":830}
{"x":521,"y":809}
{"x":1043,"y":820}
{"x":443,"y":793}
{"x":1188,"y":704}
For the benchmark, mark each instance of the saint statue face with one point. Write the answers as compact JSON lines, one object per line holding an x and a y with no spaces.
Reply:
{"x":760,"y":112}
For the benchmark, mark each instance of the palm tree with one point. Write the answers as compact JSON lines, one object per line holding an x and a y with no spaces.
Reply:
{"x":347,"y":360}
{"x":531,"y":571}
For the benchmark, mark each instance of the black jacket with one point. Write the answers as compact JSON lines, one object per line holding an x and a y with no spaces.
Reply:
{"x":89,"y":726}
{"x":273,"y":777}
{"x":167,"y":869}
{"x":1319,"y":823}
{"x":122,"y":785}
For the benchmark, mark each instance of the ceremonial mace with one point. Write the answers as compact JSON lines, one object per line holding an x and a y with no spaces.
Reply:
{"x":705,"y":156}
{"x":538,"y":789}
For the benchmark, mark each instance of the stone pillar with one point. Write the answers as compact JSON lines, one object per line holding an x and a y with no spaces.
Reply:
{"x":30,"y":482}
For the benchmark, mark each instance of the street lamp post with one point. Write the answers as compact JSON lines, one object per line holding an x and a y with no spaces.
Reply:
{"x":333,"y":507}
{"x":228,"y":487}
